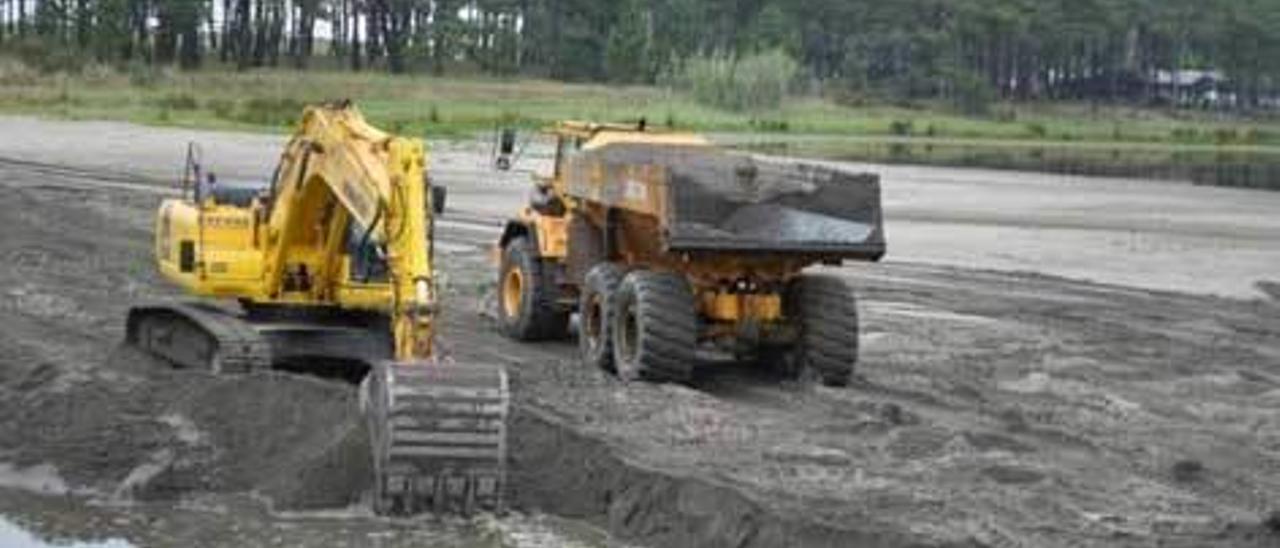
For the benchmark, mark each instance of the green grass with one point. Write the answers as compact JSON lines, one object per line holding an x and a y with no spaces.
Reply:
{"x":271,"y":100}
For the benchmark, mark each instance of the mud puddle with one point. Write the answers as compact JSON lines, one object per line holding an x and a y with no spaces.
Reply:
{"x":15,"y":536}
{"x":33,"y":520}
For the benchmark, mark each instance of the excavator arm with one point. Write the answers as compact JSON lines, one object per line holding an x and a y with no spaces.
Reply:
{"x":438,"y":429}
{"x":376,"y":181}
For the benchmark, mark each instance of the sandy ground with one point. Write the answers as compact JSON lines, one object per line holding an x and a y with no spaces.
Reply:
{"x":1006,"y":406}
{"x":1152,"y":234}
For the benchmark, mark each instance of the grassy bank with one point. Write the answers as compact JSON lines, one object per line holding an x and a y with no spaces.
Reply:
{"x":271,"y":100}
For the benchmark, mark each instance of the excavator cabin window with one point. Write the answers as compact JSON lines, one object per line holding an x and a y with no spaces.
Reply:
{"x":367,"y":265}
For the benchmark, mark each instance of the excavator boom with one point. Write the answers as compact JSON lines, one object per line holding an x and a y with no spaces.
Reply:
{"x":331,"y":264}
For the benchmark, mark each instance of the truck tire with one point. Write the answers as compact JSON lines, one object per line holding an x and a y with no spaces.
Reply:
{"x":527,"y":295}
{"x":594,"y":326}
{"x":827,"y":313}
{"x":781,"y":360}
{"x":654,"y":327}
{"x":586,"y":249}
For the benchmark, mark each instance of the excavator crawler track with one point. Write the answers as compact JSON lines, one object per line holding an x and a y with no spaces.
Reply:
{"x":439,"y":437}
{"x":198,"y":337}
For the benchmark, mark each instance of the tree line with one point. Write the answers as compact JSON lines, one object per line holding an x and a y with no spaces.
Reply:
{"x":959,"y":49}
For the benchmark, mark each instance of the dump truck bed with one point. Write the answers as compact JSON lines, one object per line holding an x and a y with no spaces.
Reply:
{"x":711,"y":200}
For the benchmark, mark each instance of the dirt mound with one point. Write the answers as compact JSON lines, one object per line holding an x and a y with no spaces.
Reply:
{"x":135,"y":428}
{"x":997,"y":409}
{"x":1272,"y":289}
{"x":560,"y":470}
{"x":991,"y":409}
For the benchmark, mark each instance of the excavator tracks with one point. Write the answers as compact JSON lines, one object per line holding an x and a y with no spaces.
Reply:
{"x":439,"y":437}
{"x":198,"y":337}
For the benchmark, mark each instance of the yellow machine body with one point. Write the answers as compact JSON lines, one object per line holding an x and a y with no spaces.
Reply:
{"x":665,"y":246}
{"x":292,"y":246}
{"x":331,"y":265}
{"x":643,"y":203}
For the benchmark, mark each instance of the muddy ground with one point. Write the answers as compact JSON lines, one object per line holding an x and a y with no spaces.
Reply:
{"x":992,"y":408}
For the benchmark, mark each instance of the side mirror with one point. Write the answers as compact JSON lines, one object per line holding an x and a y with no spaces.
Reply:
{"x":505,"y":149}
{"x":507,"y":142}
{"x":438,"y":196}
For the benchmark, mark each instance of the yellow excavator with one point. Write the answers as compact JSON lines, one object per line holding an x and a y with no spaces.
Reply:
{"x":328,"y":269}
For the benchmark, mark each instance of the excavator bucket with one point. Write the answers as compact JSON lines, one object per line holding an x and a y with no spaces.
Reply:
{"x":439,"y":437}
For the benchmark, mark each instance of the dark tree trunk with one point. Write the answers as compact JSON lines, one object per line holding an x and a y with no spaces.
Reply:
{"x":259,"y":33}
{"x":165,"y":39}
{"x":140,"y":18}
{"x":82,"y":23}
{"x":372,"y":35}
{"x":440,"y":41}
{"x":224,"y":49}
{"x":244,"y":34}
{"x":275,"y":34}
{"x":337,"y":41}
{"x":395,"y":19}
{"x":356,"y":60}
{"x":306,"y":35}
{"x":189,"y":54}
{"x":557,"y":39}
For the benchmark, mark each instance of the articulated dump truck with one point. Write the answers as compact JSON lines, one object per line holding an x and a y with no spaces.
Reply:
{"x":673,"y":251}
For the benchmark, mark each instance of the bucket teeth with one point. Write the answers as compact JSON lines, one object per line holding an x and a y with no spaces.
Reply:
{"x":439,"y":437}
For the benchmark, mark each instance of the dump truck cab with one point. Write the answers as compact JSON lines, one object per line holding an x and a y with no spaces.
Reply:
{"x":667,"y":246}
{"x":549,"y":201}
